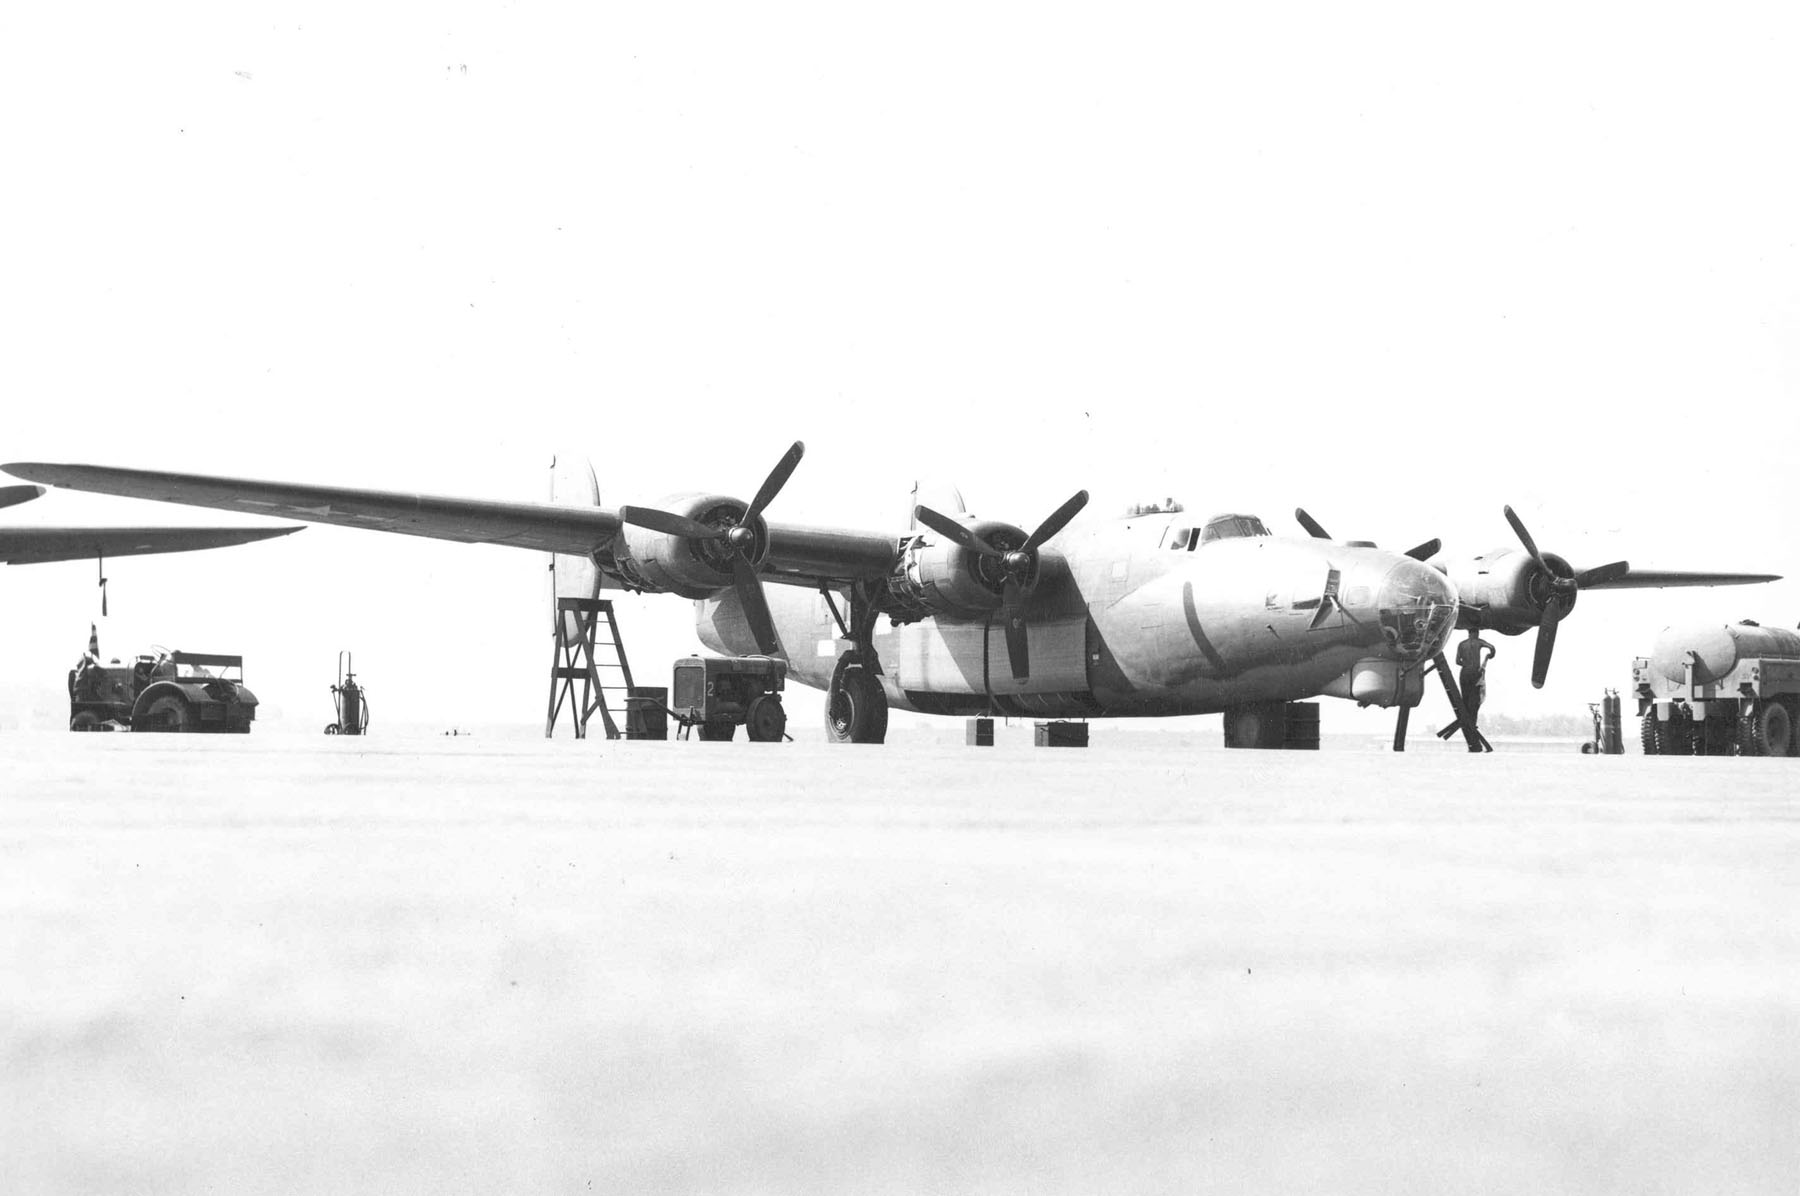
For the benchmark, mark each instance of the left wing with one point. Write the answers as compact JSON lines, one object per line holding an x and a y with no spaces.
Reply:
{"x":797,"y":554}
{"x":39,"y":545}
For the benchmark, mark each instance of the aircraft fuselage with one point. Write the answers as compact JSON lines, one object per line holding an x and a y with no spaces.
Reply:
{"x":1137,"y":618}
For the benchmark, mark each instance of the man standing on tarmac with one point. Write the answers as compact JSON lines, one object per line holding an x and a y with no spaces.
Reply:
{"x":1472,"y":656}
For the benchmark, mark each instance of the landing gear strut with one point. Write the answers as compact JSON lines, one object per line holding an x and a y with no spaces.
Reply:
{"x":856,"y":709}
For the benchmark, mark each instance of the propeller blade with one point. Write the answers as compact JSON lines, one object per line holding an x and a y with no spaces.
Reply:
{"x":1312,"y":526}
{"x":1546,"y":644}
{"x":778,"y":477}
{"x":1599,"y":575}
{"x":669,"y":523}
{"x":1518,"y":527}
{"x":1059,"y":518}
{"x":1018,"y":646}
{"x":945,"y":526}
{"x":1425,"y":551}
{"x":756,"y":605}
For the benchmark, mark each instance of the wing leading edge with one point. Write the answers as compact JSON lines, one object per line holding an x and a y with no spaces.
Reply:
{"x":800,"y":555}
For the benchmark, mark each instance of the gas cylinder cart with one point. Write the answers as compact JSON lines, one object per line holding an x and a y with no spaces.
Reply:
{"x":351,"y":701}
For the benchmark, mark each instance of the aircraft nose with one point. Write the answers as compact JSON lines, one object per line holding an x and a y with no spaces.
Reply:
{"x":1417,"y":606}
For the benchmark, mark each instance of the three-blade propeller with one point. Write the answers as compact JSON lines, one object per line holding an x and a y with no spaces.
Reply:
{"x":740,"y":536}
{"x":1565,"y":583}
{"x":1019,"y":566}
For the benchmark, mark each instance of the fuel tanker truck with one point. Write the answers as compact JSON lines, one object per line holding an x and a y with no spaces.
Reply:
{"x":1720,"y":690}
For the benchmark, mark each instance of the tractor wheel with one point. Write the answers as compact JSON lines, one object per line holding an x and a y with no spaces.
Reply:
{"x":856,"y":710}
{"x":1647,"y":734}
{"x":87,"y":720}
{"x":167,"y":713}
{"x":765,"y":721}
{"x":1766,"y":730}
{"x":717,"y":732}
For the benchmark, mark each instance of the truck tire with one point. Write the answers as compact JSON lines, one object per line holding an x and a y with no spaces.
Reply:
{"x":1647,"y":734}
{"x":1675,"y":737}
{"x":1767,"y":729}
{"x":765,"y":721}
{"x":717,"y":732}
{"x":167,"y":713}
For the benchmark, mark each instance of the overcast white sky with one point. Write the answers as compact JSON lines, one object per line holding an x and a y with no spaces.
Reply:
{"x":1397,"y":265}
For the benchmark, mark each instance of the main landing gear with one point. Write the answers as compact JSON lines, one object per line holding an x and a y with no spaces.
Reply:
{"x":856,"y":709}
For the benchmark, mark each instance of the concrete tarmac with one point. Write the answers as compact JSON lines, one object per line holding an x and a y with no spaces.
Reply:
{"x":310,"y":965}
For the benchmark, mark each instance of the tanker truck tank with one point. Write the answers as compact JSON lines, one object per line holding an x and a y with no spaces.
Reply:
{"x":1720,"y":689}
{"x":1718,"y":648}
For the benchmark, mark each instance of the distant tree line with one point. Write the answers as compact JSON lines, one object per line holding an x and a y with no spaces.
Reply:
{"x":1571,"y":726}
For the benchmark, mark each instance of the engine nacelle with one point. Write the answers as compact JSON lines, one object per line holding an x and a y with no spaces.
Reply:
{"x":661,"y":563}
{"x":935,"y":576}
{"x":1508,"y":587}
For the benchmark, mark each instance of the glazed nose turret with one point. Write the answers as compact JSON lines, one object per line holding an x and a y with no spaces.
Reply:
{"x":1416,"y":606}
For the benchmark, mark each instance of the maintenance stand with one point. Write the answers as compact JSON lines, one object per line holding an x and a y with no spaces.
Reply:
{"x":574,"y":659}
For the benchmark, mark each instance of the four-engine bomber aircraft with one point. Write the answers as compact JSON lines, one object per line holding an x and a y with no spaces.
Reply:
{"x":1151,"y":614}
{"x":28,"y":545}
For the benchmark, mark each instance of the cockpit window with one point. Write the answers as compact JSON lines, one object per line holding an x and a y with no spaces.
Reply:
{"x":1178,"y":538}
{"x":1232,"y":527}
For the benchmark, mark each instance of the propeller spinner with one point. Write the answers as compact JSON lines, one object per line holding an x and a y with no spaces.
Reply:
{"x":1018,"y":564}
{"x":1564,"y":585}
{"x":741,"y":537}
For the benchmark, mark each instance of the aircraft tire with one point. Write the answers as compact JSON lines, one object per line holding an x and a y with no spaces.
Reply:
{"x":1647,"y":734}
{"x":856,"y":709}
{"x":167,"y":713}
{"x":765,"y":721}
{"x":331,"y":728}
{"x":1767,"y":729}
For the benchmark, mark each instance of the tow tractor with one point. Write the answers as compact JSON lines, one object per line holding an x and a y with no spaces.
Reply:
{"x":718,"y":694}
{"x":162,"y":691}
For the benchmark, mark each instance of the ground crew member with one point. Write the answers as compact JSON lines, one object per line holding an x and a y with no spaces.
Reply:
{"x":1472,"y":656}
{"x":86,"y":666}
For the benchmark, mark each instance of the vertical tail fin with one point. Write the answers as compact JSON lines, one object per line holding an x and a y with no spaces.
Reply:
{"x":572,"y":484}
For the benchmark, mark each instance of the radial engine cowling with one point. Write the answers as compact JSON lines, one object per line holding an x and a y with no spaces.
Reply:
{"x":937,"y":577}
{"x":693,"y":568}
{"x":1510,"y":589}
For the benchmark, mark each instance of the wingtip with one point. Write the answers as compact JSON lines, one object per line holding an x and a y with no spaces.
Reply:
{"x":12,"y":496}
